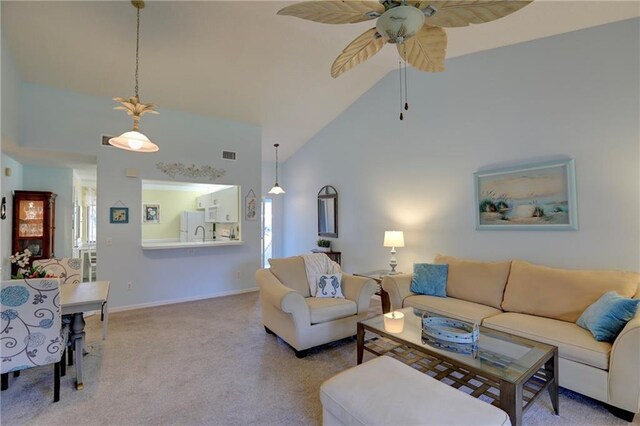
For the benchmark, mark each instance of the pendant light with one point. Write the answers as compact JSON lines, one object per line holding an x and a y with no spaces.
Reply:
{"x":276,"y":188}
{"x":134,"y":140}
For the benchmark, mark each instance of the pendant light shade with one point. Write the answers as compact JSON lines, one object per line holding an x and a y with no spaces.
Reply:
{"x":134,"y":140}
{"x":277,"y":189}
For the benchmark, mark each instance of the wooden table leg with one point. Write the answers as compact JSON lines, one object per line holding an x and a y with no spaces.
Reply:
{"x":551,"y":367}
{"x":360,"y":338}
{"x":384,"y":300}
{"x":77,"y":339}
{"x":105,"y":320}
{"x":511,"y":401}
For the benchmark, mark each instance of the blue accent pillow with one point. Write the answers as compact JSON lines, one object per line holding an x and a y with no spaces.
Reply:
{"x":606,"y":318}
{"x":430,"y":279}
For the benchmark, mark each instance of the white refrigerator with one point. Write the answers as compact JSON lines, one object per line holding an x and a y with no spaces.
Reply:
{"x":189,"y":222}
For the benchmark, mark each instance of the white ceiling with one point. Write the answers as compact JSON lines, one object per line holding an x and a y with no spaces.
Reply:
{"x":238,"y":59}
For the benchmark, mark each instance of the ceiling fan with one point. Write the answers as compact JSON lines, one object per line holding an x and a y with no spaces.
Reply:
{"x":415,"y":27}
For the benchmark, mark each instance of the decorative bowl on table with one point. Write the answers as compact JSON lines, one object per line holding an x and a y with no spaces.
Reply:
{"x":450,"y":330}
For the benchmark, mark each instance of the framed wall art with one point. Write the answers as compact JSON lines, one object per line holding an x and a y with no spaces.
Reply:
{"x":118,"y":215}
{"x":151,"y":213}
{"x":251,"y":206}
{"x":539,"y":196}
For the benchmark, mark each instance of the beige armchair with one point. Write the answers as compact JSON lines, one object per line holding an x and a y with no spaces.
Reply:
{"x":289,"y":311}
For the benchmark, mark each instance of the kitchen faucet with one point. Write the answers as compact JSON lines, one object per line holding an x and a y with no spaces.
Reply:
{"x":203,"y":233}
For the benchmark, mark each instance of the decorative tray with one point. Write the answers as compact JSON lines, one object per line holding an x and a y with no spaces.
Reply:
{"x":450,"y":330}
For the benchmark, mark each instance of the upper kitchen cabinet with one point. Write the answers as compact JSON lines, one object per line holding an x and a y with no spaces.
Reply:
{"x":228,"y":210}
{"x":222,"y":206}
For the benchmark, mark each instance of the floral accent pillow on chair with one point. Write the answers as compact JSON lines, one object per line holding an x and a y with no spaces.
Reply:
{"x":329,"y":285}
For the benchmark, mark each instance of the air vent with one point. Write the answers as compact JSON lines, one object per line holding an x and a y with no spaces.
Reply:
{"x":105,"y":140}
{"x":229,"y":155}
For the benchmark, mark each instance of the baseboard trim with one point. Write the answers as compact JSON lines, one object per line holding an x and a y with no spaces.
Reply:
{"x":182,"y":300}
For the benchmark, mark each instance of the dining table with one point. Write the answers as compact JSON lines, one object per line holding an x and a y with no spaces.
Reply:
{"x":75,"y":300}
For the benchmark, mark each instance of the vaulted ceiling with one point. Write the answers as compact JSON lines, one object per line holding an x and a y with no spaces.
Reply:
{"x":238,"y":59}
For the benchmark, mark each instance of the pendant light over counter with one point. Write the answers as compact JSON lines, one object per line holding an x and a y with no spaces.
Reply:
{"x":134,"y":140}
{"x":276,"y":190}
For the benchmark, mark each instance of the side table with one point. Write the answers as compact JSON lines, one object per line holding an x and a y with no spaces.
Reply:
{"x":336,"y":256}
{"x":377,"y":277}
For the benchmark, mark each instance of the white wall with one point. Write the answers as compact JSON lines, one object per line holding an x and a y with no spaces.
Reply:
{"x":9,"y":104}
{"x":60,"y":181}
{"x":9,"y":184}
{"x":10,"y":95}
{"x":66,"y":121}
{"x":570,"y":96}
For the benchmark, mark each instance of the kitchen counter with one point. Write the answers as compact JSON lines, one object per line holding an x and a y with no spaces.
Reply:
{"x":158,"y":245}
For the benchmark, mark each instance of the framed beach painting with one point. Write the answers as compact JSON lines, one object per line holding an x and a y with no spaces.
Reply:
{"x":540,"y":196}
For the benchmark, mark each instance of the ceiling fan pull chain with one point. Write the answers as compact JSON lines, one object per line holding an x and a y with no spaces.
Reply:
{"x":406,"y":99}
{"x":400,"y":75}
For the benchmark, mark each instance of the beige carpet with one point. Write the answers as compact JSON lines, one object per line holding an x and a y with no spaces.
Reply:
{"x":208,"y":362}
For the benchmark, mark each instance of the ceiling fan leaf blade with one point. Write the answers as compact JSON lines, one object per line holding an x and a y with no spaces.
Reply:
{"x":358,"y":51}
{"x":335,"y":12}
{"x":426,"y":50}
{"x":461,"y":13}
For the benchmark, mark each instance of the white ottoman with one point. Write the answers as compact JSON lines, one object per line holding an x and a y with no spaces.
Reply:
{"x":385,"y":391}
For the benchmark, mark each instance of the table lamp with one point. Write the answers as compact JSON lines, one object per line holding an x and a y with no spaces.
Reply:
{"x":393,"y":239}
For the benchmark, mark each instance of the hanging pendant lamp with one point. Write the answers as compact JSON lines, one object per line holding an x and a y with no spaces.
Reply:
{"x":276,"y":190}
{"x":134,"y":140}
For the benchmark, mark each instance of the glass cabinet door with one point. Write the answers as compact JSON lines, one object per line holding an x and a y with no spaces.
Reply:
{"x":31,"y":226}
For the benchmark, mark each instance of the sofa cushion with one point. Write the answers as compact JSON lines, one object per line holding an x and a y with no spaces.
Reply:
{"x":561,"y":293}
{"x":329,"y":309}
{"x":292,"y":273}
{"x":429,"y":279}
{"x":606,"y":318}
{"x":476,"y":281}
{"x":451,"y":307}
{"x":574,"y":343}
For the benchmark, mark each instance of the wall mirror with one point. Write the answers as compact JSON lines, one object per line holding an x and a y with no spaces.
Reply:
{"x":328,"y":212}
{"x":183,"y":213}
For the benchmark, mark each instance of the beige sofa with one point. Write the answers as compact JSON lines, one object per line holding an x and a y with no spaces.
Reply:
{"x":543,"y":304}
{"x":302,"y":321}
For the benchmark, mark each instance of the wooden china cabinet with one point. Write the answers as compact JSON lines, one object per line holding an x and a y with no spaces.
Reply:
{"x":34,"y":214}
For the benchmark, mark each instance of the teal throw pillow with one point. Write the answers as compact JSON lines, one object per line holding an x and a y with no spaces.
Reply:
{"x":430,"y":279}
{"x":606,"y":318}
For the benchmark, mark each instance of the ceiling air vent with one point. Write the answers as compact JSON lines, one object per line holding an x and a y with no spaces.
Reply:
{"x":229,"y":155}
{"x":105,"y":140}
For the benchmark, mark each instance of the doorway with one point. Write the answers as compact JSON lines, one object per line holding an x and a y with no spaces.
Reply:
{"x":267,"y":231}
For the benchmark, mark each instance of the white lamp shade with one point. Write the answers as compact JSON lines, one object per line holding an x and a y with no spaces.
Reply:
{"x":134,"y":141}
{"x":393,"y":239}
{"x":276,"y":190}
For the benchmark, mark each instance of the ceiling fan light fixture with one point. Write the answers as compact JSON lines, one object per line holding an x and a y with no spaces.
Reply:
{"x":400,"y":23}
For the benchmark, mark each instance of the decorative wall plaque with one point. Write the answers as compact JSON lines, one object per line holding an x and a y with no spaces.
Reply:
{"x":179,"y":169}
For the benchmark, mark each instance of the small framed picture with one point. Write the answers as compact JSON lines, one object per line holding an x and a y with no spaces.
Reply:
{"x":119,"y":215}
{"x":151,"y":213}
{"x":251,"y":206}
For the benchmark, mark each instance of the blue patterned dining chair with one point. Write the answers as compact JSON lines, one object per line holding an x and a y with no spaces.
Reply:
{"x":31,"y":331}
{"x":68,"y":269}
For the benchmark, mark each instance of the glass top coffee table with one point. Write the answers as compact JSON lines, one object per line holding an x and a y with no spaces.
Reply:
{"x":507,"y":371}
